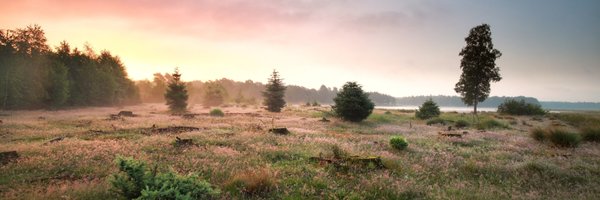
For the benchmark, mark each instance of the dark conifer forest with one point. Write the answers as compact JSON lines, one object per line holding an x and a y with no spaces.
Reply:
{"x":37,"y":76}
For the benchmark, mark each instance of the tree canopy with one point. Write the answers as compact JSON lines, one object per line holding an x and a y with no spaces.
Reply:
{"x":176,"y":94}
{"x":352,"y":104}
{"x":478,"y":66}
{"x":33,"y":76}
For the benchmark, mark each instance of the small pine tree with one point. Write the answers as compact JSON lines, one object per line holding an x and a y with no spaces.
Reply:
{"x":352,"y":104}
{"x":274,"y":93}
{"x":176,"y":95}
{"x":428,"y":110}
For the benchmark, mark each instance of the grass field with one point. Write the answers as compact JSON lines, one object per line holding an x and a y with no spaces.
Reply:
{"x":496,"y":159}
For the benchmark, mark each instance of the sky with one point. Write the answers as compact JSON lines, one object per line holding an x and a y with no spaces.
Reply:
{"x":550,"y":48}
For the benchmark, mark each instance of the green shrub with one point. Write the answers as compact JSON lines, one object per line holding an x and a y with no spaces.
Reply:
{"x":436,"y":121}
{"x":352,"y":103}
{"x":428,"y":110}
{"x":134,"y":181}
{"x":563,"y":138}
{"x":398,"y":142}
{"x":538,"y":134}
{"x":591,"y":134}
{"x":461,"y":123}
{"x":520,"y":107}
{"x":491,"y":124}
{"x":216,"y":113}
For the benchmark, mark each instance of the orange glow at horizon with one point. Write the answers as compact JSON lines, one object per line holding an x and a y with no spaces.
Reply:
{"x":399,"y":48}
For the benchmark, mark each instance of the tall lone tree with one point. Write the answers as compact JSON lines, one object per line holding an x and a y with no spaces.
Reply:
{"x":176,"y":95}
{"x":274,"y":93}
{"x":478,"y":67}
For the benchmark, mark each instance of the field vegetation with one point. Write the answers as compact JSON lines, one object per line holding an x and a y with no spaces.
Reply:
{"x":80,"y":153}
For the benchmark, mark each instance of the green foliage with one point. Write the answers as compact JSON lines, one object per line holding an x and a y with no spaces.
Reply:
{"x":591,"y":134}
{"x":563,"y":138}
{"x":558,"y":137}
{"x":176,"y":94}
{"x":352,"y":104}
{"x":398,"y":142}
{"x":436,"y":120}
{"x":274,"y":93}
{"x":214,"y":94}
{"x":216,"y":113}
{"x":32,"y":76}
{"x":516,"y":107}
{"x":59,"y":86}
{"x":478,"y":66}
{"x":134,"y":181}
{"x":428,"y":110}
{"x":491,"y":124}
{"x":461,"y":123}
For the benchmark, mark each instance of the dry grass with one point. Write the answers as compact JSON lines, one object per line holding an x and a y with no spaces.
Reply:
{"x":494,"y":164}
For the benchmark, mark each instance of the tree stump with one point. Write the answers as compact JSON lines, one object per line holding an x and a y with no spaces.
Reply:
{"x":183,"y":142}
{"x":126,"y":113}
{"x":8,"y":156}
{"x":280,"y":131}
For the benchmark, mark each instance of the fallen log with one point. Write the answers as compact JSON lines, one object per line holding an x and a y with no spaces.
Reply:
{"x":56,"y":139}
{"x":450,"y":134}
{"x":174,"y":129}
{"x":354,"y":161}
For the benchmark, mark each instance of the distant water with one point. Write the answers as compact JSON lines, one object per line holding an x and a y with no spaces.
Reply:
{"x":442,"y":108}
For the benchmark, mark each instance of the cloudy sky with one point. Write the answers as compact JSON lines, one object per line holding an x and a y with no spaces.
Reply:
{"x":551,"y":48}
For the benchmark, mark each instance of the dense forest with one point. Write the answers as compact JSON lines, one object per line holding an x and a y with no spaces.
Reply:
{"x":247,"y":92}
{"x":34,"y":76}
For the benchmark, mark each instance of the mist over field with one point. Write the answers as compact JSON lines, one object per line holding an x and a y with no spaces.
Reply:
{"x":284,"y":99}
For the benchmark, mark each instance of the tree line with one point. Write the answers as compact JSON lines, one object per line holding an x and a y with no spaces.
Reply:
{"x":455,"y":101}
{"x":34,"y":76}
{"x":246,"y":92}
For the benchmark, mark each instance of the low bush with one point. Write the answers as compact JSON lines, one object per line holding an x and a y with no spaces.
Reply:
{"x":252,"y":183}
{"x":135,"y":181}
{"x":563,"y":138}
{"x":520,"y":107}
{"x":216,"y":113}
{"x":591,"y":134}
{"x":491,"y":124}
{"x":436,"y":121}
{"x":538,"y":134}
{"x":398,"y":142}
{"x":461,"y":123}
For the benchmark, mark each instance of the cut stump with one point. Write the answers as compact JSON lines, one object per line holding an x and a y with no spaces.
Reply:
{"x":126,"y":113}
{"x":8,"y":156}
{"x":280,"y":131}
{"x":183,"y":142}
